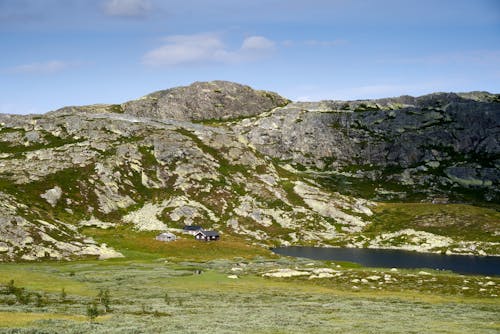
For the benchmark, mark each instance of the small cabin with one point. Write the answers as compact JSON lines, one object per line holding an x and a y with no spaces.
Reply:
{"x":440,"y":200}
{"x":207,"y":235}
{"x":166,"y":237}
{"x":192,"y":229}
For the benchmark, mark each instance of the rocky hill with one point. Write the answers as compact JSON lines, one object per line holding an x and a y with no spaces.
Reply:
{"x":253,"y":164}
{"x":442,"y":145}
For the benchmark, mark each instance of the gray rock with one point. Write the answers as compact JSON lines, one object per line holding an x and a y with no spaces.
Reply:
{"x":52,"y":196}
{"x":216,"y":100}
{"x":396,"y":137}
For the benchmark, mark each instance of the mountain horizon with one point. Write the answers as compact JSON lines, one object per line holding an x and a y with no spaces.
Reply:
{"x":253,"y":164}
{"x":472,"y":94}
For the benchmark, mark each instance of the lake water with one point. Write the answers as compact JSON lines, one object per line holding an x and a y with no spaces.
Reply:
{"x":463,"y":264}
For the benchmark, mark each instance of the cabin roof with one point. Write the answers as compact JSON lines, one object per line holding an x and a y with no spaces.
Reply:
{"x":209,"y":233}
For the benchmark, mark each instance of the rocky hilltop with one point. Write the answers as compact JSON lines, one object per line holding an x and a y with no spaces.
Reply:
{"x":249,"y":163}
{"x":201,"y":101}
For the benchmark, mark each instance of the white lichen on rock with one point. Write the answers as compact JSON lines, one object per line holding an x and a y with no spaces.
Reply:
{"x":94,"y":222}
{"x":146,"y":218}
{"x":286,"y":273}
{"x":52,"y":196}
{"x":326,"y":205}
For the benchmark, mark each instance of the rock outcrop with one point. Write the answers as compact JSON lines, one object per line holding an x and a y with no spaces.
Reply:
{"x":406,"y":148}
{"x":202,"y":101}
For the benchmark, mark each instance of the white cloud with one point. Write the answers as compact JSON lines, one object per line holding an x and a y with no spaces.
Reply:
{"x":127,"y":8}
{"x":288,"y":43}
{"x":181,"y":49}
{"x":48,"y":67}
{"x":257,"y":43}
{"x":206,"y":48}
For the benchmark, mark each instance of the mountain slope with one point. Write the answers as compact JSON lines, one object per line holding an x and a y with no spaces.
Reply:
{"x":146,"y":167}
{"x":435,"y":146}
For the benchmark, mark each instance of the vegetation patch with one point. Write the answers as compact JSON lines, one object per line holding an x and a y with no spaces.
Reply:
{"x":23,"y":319}
{"x":142,"y":245}
{"x":27,"y":276}
{"x":157,"y":296}
{"x":48,"y":141}
{"x":116,"y":108}
{"x":460,"y":221}
{"x":291,"y":195}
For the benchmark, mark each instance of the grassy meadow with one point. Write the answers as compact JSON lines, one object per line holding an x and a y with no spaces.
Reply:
{"x":184,"y":287}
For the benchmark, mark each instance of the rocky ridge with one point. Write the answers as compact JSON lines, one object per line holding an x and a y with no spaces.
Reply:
{"x":245,"y":162}
{"x":401,"y":148}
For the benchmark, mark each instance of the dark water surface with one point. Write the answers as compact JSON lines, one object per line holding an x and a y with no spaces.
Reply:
{"x":463,"y":264}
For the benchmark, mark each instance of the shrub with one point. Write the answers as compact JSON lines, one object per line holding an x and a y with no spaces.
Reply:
{"x":10,"y":288}
{"x":63,"y":295}
{"x":22,"y":296}
{"x":92,"y":312}
{"x":104,"y":299}
{"x":167,"y":298}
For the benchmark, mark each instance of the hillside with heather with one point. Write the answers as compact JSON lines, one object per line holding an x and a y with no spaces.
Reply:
{"x":415,"y":173}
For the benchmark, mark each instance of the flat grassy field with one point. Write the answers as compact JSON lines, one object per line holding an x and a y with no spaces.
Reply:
{"x":185,"y":287}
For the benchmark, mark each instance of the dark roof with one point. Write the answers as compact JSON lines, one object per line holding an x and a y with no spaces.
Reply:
{"x":192,"y":228}
{"x":210,"y":233}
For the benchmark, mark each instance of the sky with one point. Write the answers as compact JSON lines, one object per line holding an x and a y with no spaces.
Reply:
{"x":55,"y":53}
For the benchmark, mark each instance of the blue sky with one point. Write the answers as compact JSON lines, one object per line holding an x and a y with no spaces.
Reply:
{"x":55,"y":53}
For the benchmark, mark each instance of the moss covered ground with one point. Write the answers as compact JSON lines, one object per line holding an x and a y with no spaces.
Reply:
{"x":183,"y":287}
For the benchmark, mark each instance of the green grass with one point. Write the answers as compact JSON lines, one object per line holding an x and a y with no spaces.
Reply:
{"x":116,"y":108}
{"x":460,"y":221}
{"x":150,"y":296}
{"x":27,"y":275}
{"x":50,"y":141}
{"x":183,"y":285}
{"x":22,"y":319}
{"x":67,"y":180}
{"x":148,"y":158}
{"x":142,"y":245}
{"x":291,"y":195}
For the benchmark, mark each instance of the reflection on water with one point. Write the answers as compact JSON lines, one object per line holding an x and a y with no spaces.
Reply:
{"x":464,"y":264}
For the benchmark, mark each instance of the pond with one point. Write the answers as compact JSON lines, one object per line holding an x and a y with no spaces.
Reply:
{"x":463,"y":264}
